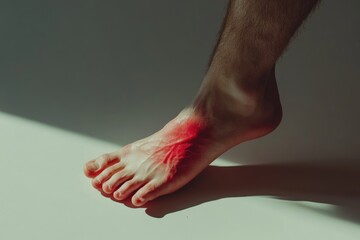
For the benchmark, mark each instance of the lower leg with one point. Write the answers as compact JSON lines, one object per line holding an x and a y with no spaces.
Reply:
{"x":238,"y":100}
{"x":253,"y":36}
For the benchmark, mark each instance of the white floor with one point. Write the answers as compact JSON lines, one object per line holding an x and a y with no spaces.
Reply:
{"x":44,"y":195}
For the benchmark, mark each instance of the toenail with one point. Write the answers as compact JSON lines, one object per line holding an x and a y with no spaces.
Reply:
{"x":96,"y":182}
{"x":93,"y":166}
{"x":107,"y":187}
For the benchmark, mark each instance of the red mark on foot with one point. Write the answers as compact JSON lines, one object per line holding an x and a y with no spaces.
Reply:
{"x":180,"y":142}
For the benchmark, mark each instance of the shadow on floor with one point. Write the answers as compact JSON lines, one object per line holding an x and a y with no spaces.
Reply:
{"x":324,"y":183}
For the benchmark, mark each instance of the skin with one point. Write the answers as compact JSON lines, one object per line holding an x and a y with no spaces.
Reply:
{"x":237,"y":101}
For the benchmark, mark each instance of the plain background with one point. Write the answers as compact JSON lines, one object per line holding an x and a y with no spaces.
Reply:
{"x":119,"y":70}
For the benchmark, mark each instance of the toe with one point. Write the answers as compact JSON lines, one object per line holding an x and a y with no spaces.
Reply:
{"x":94,"y":167}
{"x":127,"y":188}
{"x":106,"y":174}
{"x":115,"y":181}
{"x":147,"y":193}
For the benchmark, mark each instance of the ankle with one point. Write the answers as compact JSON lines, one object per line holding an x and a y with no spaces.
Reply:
{"x":237,"y":107}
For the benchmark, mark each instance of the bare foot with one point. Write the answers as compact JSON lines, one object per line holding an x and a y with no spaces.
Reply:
{"x":170,"y":158}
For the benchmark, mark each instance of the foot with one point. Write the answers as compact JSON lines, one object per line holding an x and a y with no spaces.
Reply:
{"x":170,"y":158}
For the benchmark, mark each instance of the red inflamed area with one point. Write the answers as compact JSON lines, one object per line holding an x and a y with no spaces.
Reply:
{"x":182,"y":137}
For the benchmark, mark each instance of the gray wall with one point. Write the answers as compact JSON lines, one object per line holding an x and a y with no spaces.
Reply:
{"x":119,"y":70}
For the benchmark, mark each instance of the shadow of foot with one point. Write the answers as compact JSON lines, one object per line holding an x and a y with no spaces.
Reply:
{"x":332,"y":184}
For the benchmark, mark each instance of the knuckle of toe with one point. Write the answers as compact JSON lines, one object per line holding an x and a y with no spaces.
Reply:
{"x":106,"y":157}
{"x":122,"y":174}
{"x":139,"y":179}
{"x":150,"y":188}
{"x":106,"y":173}
{"x":134,"y":183}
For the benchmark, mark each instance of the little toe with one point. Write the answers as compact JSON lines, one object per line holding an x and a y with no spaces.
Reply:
{"x":94,"y":167}
{"x":115,"y":181}
{"x":106,"y":174}
{"x":127,"y":188}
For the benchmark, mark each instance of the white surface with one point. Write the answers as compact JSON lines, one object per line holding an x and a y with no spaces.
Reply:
{"x":44,"y":195}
